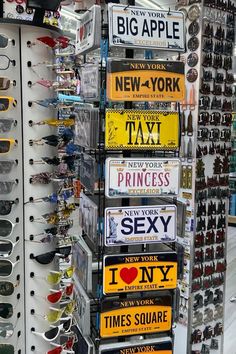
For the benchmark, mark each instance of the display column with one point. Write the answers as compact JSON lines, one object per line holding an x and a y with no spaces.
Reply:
{"x":12,"y":319}
{"x":35,"y":57}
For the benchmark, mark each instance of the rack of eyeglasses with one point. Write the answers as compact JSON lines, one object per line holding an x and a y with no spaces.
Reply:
{"x":37,"y":170}
{"x":12,"y":278}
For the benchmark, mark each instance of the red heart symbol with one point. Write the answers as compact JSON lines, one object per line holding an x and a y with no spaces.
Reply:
{"x":128,"y":274}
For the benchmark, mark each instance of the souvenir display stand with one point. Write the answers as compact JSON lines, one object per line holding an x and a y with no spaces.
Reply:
{"x":11,"y":199}
{"x":138,"y":148}
{"x":38,"y":207}
{"x":209,"y":78}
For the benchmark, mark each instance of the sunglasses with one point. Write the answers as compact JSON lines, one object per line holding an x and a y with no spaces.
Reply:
{"x":6,"y":166}
{"x":59,"y":42}
{"x":7,"y":247}
{"x":54,"y":122}
{"x":6,"y":228}
{"x":6,"y":330}
{"x":56,"y":295}
{"x":6,"y":206}
{"x":6,"y":125}
{"x":7,"y":186}
{"x":5,"y":103}
{"x":54,"y":315}
{"x":4,"y":41}
{"x":7,"y":288}
{"x":47,"y":258}
{"x":5,"y":83}
{"x":54,"y":277}
{"x":64,"y":348}
{"x":7,"y":349}
{"x":5,"y":62}
{"x":6,"y":311}
{"x":7,"y":267}
{"x":54,"y":332}
{"x":6,"y":145}
{"x":55,"y":197}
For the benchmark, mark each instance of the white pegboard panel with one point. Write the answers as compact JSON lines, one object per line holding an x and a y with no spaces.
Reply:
{"x":37,"y":53}
{"x":16,"y":215}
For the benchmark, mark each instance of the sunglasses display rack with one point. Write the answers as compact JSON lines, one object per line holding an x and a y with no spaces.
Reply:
{"x":12,"y":303}
{"x":36,"y":190}
{"x":209,"y":57}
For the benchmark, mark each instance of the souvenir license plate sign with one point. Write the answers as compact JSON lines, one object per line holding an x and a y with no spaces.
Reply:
{"x":145,"y":28}
{"x":137,"y":177}
{"x":135,"y":316}
{"x":134,"y":225}
{"x":145,"y":80}
{"x":88,"y":30}
{"x":133,"y":129}
{"x":139,"y":272}
{"x":151,"y":346}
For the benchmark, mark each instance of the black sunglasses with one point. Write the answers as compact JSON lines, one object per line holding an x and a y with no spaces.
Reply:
{"x":47,"y":258}
{"x":6,"y":206}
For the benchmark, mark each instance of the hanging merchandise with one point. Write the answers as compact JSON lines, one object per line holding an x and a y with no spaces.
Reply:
{"x":134,"y":225}
{"x":135,"y":129}
{"x":137,"y":27}
{"x":137,"y":272}
{"x":88,"y":33}
{"x":143,"y":80}
{"x":139,"y":316}
{"x":137,"y":177}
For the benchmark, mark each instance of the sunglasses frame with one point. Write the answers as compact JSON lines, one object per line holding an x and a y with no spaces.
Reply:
{"x":11,"y":101}
{"x":14,"y":244}
{"x":60,"y":327}
{"x":12,"y":142}
{"x":13,"y":267}
{"x":12,"y":224}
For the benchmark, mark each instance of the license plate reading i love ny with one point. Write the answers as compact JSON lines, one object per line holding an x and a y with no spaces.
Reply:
{"x":135,"y":316}
{"x":139,"y":272}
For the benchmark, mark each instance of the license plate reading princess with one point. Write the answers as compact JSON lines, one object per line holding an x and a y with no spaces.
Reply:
{"x":137,"y":177}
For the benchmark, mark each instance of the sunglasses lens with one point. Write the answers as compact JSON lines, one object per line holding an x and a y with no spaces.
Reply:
{"x":45,"y":258}
{"x":54,"y":278}
{"x":6,"y":187}
{"x":6,"y":349}
{"x":54,"y":316}
{"x":4,"y":144}
{"x":4,"y":83}
{"x":5,"y":268}
{"x":69,"y":289}
{"x":6,"y":311}
{"x":6,"y":248}
{"x":64,"y":251}
{"x":55,"y":297}
{"x":67,"y":325}
{"x":5,"y":124}
{"x":4,"y":104}
{"x":5,"y":207}
{"x":69,"y":308}
{"x":6,"y":288}
{"x":6,"y":166}
{"x":6,"y":330}
{"x":5,"y":228}
{"x":52,"y":334}
{"x":69,"y":272}
{"x":3,"y":41}
{"x":55,"y":351}
{"x":4,"y":61}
